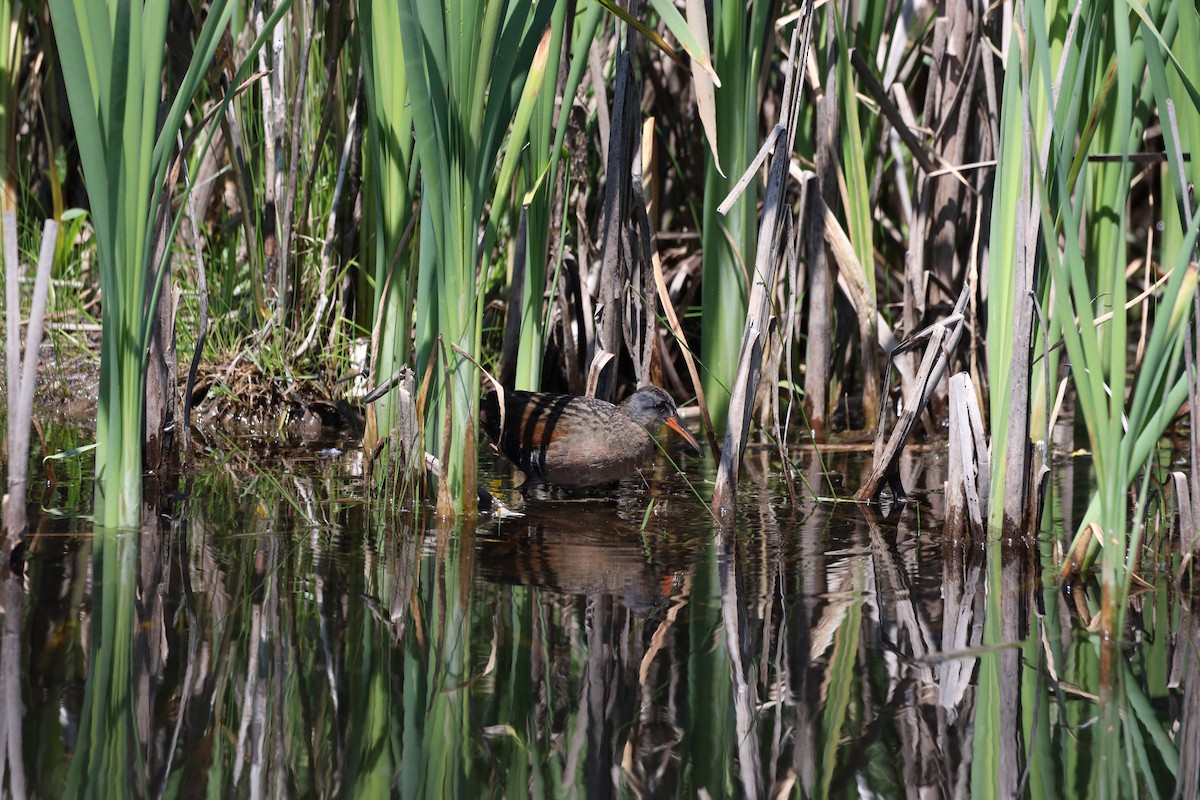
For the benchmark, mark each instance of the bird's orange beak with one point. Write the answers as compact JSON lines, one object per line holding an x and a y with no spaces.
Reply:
{"x":676,"y":424}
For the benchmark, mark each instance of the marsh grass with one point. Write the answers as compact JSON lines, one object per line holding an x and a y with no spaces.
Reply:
{"x":112,"y":61}
{"x":876,"y":145}
{"x":412,"y":190}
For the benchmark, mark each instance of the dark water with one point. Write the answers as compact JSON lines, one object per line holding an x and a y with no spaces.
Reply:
{"x":269,"y":635}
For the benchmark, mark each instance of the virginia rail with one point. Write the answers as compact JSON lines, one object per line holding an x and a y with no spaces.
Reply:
{"x":580,"y":441}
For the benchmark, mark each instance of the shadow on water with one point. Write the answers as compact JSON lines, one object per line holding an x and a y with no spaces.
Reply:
{"x":266,"y":635}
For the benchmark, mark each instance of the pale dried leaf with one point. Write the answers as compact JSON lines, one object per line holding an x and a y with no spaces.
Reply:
{"x":703,"y":81}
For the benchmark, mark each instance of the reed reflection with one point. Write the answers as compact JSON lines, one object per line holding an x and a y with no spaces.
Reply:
{"x":281,"y":638}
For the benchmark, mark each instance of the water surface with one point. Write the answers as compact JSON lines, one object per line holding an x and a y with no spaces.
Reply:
{"x":268,"y":634}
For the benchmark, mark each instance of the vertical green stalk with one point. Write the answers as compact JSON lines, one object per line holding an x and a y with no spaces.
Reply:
{"x":1112,"y":471}
{"x":730,"y":241}
{"x":534,"y":121}
{"x":437,"y":738}
{"x":516,"y":698}
{"x":857,"y":140}
{"x":463,"y":100}
{"x":843,"y":681}
{"x":369,"y":678}
{"x":389,"y":196}
{"x":1010,"y":203}
{"x":539,"y":198}
{"x":106,"y":759}
{"x":985,"y":742}
{"x":1118,"y":426}
{"x":710,"y":684}
{"x":1101,"y":105}
{"x":1172,"y":83}
{"x":1042,"y":644}
{"x":112,"y":58}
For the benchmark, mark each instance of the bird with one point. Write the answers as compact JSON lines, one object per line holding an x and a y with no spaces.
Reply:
{"x":576,"y":441}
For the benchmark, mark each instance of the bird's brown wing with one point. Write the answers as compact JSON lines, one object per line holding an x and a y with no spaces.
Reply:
{"x":564,"y":439}
{"x":533,"y":421}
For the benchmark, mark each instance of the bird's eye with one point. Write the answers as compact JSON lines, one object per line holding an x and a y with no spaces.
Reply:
{"x":662,"y":407}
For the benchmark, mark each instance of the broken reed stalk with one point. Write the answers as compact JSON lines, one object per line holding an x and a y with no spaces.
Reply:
{"x":159,"y":446}
{"x":943,"y":339}
{"x":22,"y":373}
{"x":614,"y":271}
{"x":1189,"y":543}
{"x":969,"y":471}
{"x":818,"y":351}
{"x":758,"y":318}
{"x":201,"y":314}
